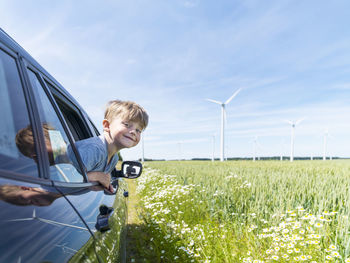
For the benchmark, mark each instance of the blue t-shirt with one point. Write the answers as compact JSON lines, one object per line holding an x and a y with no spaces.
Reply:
{"x":94,"y":155}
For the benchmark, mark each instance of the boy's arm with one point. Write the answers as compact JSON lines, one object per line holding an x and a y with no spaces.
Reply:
{"x":103,"y":179}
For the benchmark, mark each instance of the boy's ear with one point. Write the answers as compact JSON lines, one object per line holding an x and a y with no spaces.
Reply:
{"x":105,"y":124}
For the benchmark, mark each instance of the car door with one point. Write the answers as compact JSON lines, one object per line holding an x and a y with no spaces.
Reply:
{"x":91,"y":205}
{"x":37,"y":221}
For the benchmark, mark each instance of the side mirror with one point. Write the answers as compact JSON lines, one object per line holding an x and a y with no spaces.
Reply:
{"x":130,"y":170}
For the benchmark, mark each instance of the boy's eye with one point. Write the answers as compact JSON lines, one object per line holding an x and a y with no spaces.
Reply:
{"x":138,"y":131}
{"x":126,"y":124}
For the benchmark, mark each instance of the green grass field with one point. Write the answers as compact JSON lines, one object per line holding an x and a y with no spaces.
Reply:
{"x":243,"y":211}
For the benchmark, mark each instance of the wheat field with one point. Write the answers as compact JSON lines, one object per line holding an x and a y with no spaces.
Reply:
{"x":243,"y":211}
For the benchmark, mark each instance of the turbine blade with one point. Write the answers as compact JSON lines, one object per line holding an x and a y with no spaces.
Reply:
{"x":234,"y":95}
{"x":289,"y":122}
{"x":300,"y":120}
{"x":254,"y":140}
{"x":330,"y":136}
{"x":215,"y":101}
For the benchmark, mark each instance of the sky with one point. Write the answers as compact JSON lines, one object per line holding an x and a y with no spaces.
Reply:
{"x":291,"y":60}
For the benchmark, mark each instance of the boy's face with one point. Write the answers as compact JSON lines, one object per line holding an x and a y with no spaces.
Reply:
{"x":124,"y":133}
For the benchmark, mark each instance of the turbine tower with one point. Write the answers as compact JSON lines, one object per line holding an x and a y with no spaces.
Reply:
{"x":223,"y":117}
{"x":325,"y":144}
{"x":283,"y":145}
{"x":293,"y":124}
{"x":256,"y":144}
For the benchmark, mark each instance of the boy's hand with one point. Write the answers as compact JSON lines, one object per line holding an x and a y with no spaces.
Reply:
{"x":103,"y":179}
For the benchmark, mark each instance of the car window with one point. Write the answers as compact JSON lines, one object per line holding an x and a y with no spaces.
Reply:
{"x":63,"y":163}
{"x":96,"y":132}
{"x":17,"y":150}
{"x":72,"y":115}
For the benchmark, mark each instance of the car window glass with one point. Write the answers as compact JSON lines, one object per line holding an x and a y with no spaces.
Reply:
{"x":72,"y":116}
{"x":63,"y":163}
{"x":16,"y":153}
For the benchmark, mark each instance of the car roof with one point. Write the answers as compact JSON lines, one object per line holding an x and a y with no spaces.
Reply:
{"x":9,"y":42}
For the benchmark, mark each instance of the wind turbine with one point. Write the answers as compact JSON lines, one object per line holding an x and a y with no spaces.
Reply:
{"x":223,"y":117}
{"x":255,"y":145}
{"x":293,"y":124}
{"x":283,"y":146}
{"x":325,"y":144}
{"x":325,"y":136}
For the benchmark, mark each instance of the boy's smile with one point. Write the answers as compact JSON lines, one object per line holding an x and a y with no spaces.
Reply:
{"x":122,"y":133}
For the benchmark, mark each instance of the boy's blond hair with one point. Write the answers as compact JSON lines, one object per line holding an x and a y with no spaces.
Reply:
{"x":128,"y":110}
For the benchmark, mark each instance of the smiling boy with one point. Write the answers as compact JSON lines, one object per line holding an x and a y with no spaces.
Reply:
{"x":122,"y":126}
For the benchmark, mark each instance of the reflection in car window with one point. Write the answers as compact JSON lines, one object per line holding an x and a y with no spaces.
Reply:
{"x":24,"y":195}
{"x":14,"y":117}
{"x":56,"y":140}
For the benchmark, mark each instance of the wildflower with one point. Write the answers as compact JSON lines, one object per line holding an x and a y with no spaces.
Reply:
{"x":303,"y":258}
{"x":296,"y":225}
{"x":285,"y":231}
{"x":290,"y":245}
{"x":332,"y":247}
{"x":335,"y":254}
{"x":275,"y":257}
{"x":329,"y":257}
{"x":321,"y":218}
{"x":318,"y":225}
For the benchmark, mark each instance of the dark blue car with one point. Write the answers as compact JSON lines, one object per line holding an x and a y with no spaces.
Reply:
{"x":50,"y":212}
